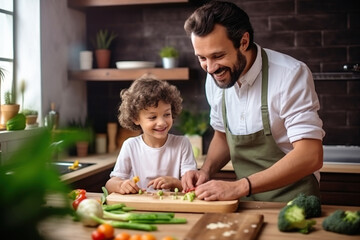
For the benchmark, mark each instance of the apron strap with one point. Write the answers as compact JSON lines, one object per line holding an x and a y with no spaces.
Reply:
{"x":264,"y":91}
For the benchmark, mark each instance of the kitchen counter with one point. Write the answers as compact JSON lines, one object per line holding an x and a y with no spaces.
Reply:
{"x":328,"y":167}
{"x":100,"y":162}
{"x":107,"y":161}
{"x":66,"y":228}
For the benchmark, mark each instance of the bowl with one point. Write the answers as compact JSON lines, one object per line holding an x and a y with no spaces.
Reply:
{"x":134,"y":64}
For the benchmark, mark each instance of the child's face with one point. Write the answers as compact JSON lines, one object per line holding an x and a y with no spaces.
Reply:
{"x":155,"y":123}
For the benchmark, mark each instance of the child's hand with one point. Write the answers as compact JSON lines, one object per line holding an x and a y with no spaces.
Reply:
{"x":128,"y":186}
{"x":165,"y":182}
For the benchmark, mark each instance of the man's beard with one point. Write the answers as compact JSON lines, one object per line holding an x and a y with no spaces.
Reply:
{"x":234,"y":75}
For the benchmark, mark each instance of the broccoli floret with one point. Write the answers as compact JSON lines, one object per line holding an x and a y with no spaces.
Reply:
{"x":344,"y":222}
{"x":292,"y":218}
{"x":311,"y":204}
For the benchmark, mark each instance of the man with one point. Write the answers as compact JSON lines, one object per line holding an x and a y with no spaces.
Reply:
{"x":263,"y":110}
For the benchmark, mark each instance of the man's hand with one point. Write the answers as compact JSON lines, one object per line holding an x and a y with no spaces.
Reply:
{"x":218,"y":190}
{"x":193,"y":176}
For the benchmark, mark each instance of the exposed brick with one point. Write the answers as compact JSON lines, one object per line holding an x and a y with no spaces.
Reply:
{"x":354,"y":21}
{"x":267,"y":8}
{"x":275,"y":39}
{"x":344,"y":37}
{"x":260,"y":24}
{"x":294,"y":27}
{"x":328,"y":6}
{"x":308,"y":22}
{"x":341,"y":102}
{"x":313,"y":54}
{"x":308,"y":39}
{"x":354,"y":87}
{"x":330,"y":87}
{"x":353,"y":118}
{"x":334,"y":118}
{"x":342,"y":136}
{"x":354,"y":54}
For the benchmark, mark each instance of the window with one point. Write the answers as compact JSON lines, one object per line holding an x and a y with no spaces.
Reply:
{"x":7,"y":45}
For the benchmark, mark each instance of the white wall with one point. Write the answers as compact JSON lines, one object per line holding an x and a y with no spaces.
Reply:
{"x":28,"y":53}
{"x":50,"y":36}
{"x":62,"y":38}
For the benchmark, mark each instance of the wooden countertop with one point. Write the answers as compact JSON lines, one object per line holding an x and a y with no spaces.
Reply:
{"x":327,"y":166}
{"x":101,"y":162}
{"x":66,"y":228}
{"x":106,"y":161}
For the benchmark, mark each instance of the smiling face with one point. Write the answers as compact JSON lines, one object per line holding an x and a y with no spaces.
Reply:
{"x":218,"y":56}
{"x":155,"y":123}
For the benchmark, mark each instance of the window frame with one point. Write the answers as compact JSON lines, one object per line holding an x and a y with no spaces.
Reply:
{"x":10,"y":60}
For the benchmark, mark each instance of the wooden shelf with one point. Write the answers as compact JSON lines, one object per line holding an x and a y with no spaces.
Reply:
{"x":113,"y":74}
{"x":101,"y":3}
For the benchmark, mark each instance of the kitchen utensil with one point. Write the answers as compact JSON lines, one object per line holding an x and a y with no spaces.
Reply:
{"x":170,"y":203}
{"x":221,"y":226}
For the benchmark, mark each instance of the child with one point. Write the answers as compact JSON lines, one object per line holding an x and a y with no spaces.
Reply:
{"x":157,"y":157}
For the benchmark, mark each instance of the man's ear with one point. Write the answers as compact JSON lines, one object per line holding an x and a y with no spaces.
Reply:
{"x":244,"y":42}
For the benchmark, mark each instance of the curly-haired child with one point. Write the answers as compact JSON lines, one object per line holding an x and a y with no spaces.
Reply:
{"x":159,"y":159}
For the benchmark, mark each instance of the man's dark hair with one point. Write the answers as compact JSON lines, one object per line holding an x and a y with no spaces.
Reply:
{"x":234,"y":19}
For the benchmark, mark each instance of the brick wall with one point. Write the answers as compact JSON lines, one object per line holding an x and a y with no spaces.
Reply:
{"x":323,"y":34}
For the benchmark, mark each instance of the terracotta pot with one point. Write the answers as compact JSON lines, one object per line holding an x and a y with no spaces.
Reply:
{"x":82,"y":149}
{"x":8,"y":111}
{"x":102,"y":58}
{"x":31,"y":119}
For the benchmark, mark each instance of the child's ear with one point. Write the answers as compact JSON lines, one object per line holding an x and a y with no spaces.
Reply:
{"x":136,"y":121}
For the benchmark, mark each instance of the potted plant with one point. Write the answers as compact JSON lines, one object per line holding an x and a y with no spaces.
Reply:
{"x":169,"y":56}
{"x":102,"y":44}
{"x":194,"y":125}
{"x":9,"y":109}
{"x":31,"y":116}
{"x":82,"y":147}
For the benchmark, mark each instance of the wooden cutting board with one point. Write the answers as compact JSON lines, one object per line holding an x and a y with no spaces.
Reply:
{"x":226,"y":226}
{"x":152,"y":202}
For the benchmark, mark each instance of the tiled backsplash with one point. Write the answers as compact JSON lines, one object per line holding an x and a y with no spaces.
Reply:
{"x":323,"y":34}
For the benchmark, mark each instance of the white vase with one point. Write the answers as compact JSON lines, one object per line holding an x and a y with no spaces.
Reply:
{"x":169,"y":62}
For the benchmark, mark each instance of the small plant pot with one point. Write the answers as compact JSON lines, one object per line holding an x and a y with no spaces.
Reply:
{"x":8,"y":111}
{"x":31,"y":119}
{"x":169,"y":62}
{"x":82,"y":149}
{"x":102,"y":58}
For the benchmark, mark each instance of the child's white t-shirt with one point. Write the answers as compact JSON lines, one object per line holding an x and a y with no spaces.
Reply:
{"x":136,"y":158}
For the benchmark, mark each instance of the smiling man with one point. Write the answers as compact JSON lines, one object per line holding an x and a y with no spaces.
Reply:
{"x":263,"y":110}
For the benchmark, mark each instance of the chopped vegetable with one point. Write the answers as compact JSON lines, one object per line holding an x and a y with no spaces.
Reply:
{"x":87,"y":209}
{"x":136,"y":179}
{"x":344,"y":222}
{"x":140,"y":191}
{"x":190,"y":196}
{"x":292,"y":218}
{"x":160,"y":193}
{"x":74,"y":166}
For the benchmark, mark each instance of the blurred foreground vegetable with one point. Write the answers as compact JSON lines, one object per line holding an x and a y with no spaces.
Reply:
{"x":26,"y":179}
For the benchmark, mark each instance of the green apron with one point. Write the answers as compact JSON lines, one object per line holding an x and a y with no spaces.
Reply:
{"x":258,"y":151}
